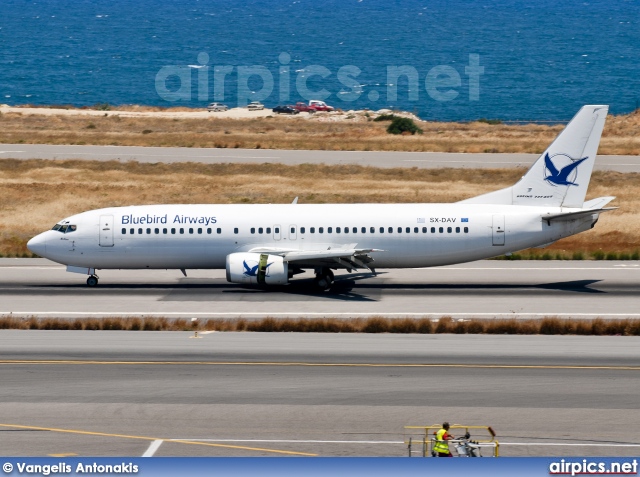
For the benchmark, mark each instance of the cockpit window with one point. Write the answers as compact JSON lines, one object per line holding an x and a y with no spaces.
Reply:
{"x":64,"y":228}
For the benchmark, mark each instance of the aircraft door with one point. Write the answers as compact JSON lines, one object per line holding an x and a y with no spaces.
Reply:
{"x":293,"y":232}
{"x":106,"y":230}
{"x":498,"y":230}
{"x":276,"y":232}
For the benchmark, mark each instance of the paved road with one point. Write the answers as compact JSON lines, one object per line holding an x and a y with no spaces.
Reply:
{"x":374,"y":159}
{"x":118,"y":393}
{"x":585,"y":289}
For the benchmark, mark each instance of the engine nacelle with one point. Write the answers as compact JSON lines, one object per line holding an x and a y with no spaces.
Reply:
{"x":257,"y":269}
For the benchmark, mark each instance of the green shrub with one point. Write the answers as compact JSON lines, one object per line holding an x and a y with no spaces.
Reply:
{"x":385,"y":117}
{"x":402,"y":125}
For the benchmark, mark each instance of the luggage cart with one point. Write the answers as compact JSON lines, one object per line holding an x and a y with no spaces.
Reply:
{"x":421,"y":440}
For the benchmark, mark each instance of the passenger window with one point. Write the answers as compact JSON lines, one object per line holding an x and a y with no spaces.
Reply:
{"x":253,"y":230}
{"x":337,"y":230}
{"x":132,"y":231}
{"x":415,"y":230}
{"x":293,"y":230}
{"x":312,"y":230}
{"x":381,"y":230}
{"x":424,"y":230}
{"x":268,"y":230}
{"x":329,"y":230}
{"x":408,"y":230}
{"x":433,"y":230}
{"x":235,"y":230}
{"x":124,"y":231}
{"x":209,"y":230}
{"x":449,"y":229}
{"x":199,"y":230}
{"x":181,"y":230}
{"x":164,"y":231}
{"x":173,"y":231}
{"x":466,"y":230}
{"x":399,"y":230}
{"x":277,"y":230}
{"x":139,"y":231}
{"x":457,"y":230}
{"x":218,"y":230}
{"x":355,"y":230}
{"x":148,"y":231}
{"x":346,"y":230}
{"x":302,"y":230}
{"x":441,"y":230}
{"x":260,"y":230}
{"x":372,"y":230}
{"x":320,"y":230}
{"x":157,"y":231}
{"x":390,"y":230}
{"x":190,"y":230}
{"x":363,"y":230}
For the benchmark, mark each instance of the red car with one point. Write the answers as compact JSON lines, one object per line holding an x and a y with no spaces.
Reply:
{"x":313,"y":106}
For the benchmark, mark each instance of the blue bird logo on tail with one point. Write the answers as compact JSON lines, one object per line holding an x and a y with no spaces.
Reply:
{"x":561,"y":177}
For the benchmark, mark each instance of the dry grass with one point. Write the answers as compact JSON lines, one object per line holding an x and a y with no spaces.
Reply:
{"x":621,"y":135}
{"x":547,"y":326}
{"x":34,"y":194}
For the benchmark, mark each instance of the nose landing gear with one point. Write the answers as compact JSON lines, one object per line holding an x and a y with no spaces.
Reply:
{"x":92,"y":281}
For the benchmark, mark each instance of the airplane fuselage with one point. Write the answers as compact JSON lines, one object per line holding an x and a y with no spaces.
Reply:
{"x":201,"y":236}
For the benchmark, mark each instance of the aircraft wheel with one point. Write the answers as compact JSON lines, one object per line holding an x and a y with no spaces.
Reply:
{"x":92,"y":281}
{"x":324,"y":279}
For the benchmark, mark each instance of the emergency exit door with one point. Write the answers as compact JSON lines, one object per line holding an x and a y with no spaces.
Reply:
{"x":498,"y":230}
{"x":106,"y":230}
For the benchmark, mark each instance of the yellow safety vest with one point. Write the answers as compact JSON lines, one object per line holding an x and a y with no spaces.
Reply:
{"x":441,"y":445}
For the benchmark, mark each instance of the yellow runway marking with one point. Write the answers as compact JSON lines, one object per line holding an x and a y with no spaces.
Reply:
{"x":144,"y":438}
{"x":337,"y":365}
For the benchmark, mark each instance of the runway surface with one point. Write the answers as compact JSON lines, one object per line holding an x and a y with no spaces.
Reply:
{"x":580,"y":289}
{"x":363,"y":158}
{"x":135,"y":393}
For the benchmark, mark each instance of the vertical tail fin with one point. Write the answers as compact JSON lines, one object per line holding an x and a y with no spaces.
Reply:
{"x":560,"y":177}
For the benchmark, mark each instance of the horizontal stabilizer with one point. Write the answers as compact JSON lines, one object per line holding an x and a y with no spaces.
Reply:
{"x":574,"y":215}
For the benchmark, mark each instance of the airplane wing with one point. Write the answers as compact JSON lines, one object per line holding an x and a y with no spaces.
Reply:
{"x":350,"y":258}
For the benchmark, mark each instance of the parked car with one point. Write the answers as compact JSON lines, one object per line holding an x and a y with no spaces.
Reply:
{"x":217,"y":107}
{"x":304,"y":108}
{"x":320,"y":105}
{"x":255,"y":106}
{"x":288,"y":109}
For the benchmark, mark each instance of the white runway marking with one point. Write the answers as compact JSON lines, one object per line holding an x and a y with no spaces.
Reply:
{"x":289,"y":441}
{"x":322,"y":315}
{"x":311,"y":441}
{"x":153,"y":448}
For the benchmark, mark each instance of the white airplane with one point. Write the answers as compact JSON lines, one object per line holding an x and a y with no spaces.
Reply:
{"x":269,"y":244}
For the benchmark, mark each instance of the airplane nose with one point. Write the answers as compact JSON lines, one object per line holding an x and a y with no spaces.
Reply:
{"x":38,"y":245}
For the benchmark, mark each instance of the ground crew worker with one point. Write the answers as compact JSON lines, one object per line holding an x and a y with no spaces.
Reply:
{"x":441,"y":447}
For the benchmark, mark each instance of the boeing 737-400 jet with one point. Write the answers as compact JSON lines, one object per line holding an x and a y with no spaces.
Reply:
{"x":269,"y":244}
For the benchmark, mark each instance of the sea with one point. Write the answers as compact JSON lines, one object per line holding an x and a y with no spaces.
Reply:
{"x":447,"y":60}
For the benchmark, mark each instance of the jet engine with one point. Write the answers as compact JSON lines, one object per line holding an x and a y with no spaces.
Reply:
{"x":257,"y":269}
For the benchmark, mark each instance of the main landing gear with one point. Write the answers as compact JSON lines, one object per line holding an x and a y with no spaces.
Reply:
{"x":324,"y":279}
{"x":92,"y":281}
